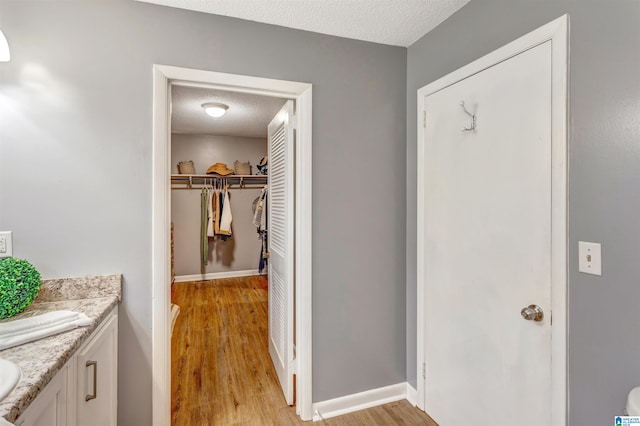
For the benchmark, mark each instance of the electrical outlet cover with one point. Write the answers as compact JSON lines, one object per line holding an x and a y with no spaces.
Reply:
{"x":6,"y":244}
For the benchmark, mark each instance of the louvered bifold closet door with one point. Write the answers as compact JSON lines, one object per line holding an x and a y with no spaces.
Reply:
{"x":280,"y":242}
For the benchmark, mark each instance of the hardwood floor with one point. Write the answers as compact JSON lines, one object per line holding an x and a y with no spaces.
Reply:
{"x":221,"y":373}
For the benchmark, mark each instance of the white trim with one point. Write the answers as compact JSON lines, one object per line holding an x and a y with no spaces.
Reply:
{"x":215,"y":275}
{"x":164,"y":75}
{"x":160,"y":267}
{"x":557,"y":31}
{"x":412,"y":395}
{"x":420,"y":253}
{"x":359,"y":401}
{"x":559,"y":219}
{"x":303,"y":261}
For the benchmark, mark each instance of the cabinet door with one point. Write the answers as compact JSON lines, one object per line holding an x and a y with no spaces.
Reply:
{"x":50,"y":407}
{"x":97,"y":375}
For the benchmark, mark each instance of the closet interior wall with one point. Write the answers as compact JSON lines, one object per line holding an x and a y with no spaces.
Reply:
{"x":241,"y":252}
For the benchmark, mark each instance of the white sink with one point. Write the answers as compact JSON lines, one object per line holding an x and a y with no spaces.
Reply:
{"x":9,"y":377}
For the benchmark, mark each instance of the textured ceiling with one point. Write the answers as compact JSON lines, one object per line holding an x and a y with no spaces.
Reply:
{"x":248,"y":115}
{"x":394,"y":22}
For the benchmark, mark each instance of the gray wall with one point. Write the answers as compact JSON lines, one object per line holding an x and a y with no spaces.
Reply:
{"x":604,"y":177}
{"x":75,"y":168}
{"x":242,"y":251}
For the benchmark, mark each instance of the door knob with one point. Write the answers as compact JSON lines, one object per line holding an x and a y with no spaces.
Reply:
{"x":532,"y":313}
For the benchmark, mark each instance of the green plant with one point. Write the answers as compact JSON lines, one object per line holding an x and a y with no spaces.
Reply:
{"x":19,"y":286}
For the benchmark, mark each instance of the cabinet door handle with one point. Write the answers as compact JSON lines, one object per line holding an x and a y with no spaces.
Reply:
{"x":94,"y":395}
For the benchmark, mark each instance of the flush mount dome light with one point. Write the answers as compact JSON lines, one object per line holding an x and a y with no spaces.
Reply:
{"x":214,"y":109}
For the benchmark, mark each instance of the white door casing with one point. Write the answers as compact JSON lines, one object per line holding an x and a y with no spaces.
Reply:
{"x":280,"y":135}
{"x":492,"y":236}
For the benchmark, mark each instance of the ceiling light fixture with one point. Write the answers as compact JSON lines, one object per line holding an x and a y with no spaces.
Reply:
{"x":5,"y":54}
{"x":214,"y":109}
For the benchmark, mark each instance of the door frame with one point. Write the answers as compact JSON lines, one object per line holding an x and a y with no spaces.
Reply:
{"x":556,"y":31}
{"x":163,"y":76}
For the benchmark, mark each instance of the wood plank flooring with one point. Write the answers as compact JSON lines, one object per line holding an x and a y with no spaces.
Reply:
{"x":220,"y":366}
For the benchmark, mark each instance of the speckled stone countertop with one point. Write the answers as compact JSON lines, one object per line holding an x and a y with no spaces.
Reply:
{"x":40,"y":360}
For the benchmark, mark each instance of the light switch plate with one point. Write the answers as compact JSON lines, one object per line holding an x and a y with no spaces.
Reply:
{"x":6,"y":244}
{"x":590,"y":258}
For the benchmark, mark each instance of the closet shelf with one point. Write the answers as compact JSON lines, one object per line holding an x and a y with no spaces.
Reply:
{"x":238,"y":181}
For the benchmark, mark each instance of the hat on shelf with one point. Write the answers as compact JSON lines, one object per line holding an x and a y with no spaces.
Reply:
{"x":220,"y":169}
{"x":263,"y":166}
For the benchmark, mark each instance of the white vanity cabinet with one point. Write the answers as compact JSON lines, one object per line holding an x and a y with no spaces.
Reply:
{"x":96,"y":396}
{"x":50,"y":407}
{"x":84,"y":391}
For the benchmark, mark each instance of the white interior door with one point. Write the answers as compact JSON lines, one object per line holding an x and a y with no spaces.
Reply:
{"x":487,"y":219}
{"x":280,"y":241}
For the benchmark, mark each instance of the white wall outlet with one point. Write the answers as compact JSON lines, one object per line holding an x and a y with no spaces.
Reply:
{"x":6,"y":244}
{"x":590,"y":260}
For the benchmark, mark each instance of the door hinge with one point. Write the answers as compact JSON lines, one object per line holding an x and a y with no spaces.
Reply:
{"x":424,"y":118}
{"x":294,"y":122}
{"x":424,"y":370}
{"x":294,"y":366}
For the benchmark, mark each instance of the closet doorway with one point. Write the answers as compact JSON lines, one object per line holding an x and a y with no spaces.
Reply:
{"x":178,"y":196}
{"x":219,"y":156}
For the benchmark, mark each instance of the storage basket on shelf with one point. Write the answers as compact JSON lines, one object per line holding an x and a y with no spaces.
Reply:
{"x":242,"y":168}
{"x":186,"y":168}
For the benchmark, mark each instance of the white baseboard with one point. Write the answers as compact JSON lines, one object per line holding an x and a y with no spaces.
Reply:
{"x":215,"y":275}
{"x":412,"y":395}
{"x":359,"y":401}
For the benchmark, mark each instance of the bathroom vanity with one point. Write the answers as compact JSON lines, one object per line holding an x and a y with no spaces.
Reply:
{"x":69,"y":378}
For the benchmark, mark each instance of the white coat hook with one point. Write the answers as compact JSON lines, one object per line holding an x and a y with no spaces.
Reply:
{"x":473,"y":119}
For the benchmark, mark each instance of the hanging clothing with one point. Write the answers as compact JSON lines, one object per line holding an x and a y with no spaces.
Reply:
{"x":204,"y":220}
{"x":216,"y":212}
{"x":260,"y":214}
{"x":263,"y":217}
{"x":226,"y":217}
{"x":260,"y":221}
{"x":210,"y":231}
{"x":262,"y":263}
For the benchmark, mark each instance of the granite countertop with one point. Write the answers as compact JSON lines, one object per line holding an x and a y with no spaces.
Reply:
{"x":40,"y":360}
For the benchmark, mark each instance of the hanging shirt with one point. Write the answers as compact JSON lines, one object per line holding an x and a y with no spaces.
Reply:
{"x":216,"y":212}
{"x":263,"y":217}
{"x":260,"y":214}
{"x":225,"y":218}
{"x":210,"y":231}
{"x":204,"y":218}
{"x":260,"y":221}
